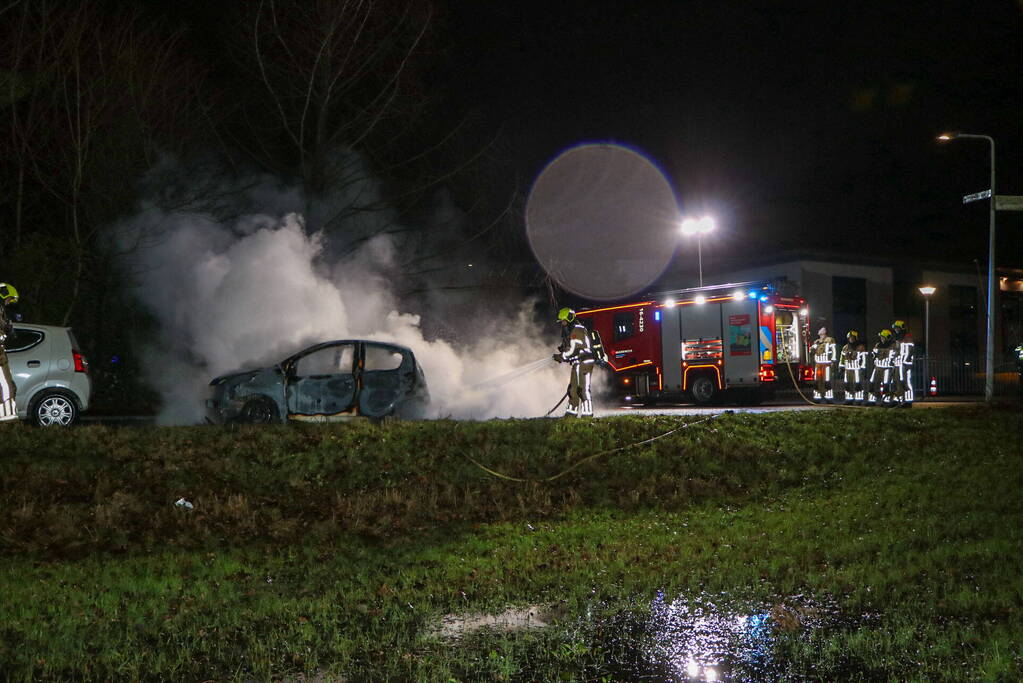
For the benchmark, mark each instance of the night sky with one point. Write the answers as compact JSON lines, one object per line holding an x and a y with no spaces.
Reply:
{"x":799,"y":125}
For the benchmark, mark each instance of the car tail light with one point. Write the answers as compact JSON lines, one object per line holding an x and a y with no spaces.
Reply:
{"x":81,"y":364}
{"x":766,"y":373}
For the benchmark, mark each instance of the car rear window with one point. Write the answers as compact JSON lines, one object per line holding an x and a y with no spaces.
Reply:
{"x":23,"y":340}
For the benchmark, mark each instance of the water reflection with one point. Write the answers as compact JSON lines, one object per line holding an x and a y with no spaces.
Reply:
{"x":702,"y":641}
{"x":709,"y":638}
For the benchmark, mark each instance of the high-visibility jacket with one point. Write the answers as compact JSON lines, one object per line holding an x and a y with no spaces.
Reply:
{"x":853,"y":356}
{"x":884,"y":353}
{"x":824,"y":350}
{"x":577,"y":348}
{"x":903,"y":349}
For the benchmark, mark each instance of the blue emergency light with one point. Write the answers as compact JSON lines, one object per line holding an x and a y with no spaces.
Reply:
{"x":657,"y":315}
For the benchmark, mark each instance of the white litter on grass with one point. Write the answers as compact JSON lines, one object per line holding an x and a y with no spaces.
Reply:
{"x":182,"y":503}
{"x":512,"y":619}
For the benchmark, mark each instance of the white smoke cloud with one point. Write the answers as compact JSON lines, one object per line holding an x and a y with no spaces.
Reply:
{"x":251,"y":291}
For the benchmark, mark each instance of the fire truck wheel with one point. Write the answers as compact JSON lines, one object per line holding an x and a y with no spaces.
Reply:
{"x":703,"y":390}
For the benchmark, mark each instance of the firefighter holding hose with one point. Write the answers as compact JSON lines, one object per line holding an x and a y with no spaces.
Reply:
{"x":824,"y":356}
{"x":577,"y":349}
{"x":8,"y":408}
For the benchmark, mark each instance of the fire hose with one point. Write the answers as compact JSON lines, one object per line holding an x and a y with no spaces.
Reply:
{"x":795,"y":385}
{"x":588,"y":458}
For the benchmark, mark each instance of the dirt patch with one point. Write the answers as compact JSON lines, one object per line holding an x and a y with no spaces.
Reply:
{"x":512,"y":619}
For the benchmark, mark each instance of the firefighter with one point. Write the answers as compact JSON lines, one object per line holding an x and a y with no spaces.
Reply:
{"x":902,"y":373}
{"x":852,"y":364}
{"x":8,"y":408}
{"x":576,"y":349}
{"x":880,"y":392}
{"x":824,"y":357}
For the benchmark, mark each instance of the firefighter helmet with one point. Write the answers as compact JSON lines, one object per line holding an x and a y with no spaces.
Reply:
{"x":8,"y":294}
{"x":566,"y":315}
{"x":899,"y":329}
{"x":853,"y":336}
{"x":885,"y":334}
{"x":822,"y":331}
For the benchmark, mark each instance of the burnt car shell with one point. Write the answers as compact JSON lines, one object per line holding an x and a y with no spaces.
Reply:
{"x":333,"y":380}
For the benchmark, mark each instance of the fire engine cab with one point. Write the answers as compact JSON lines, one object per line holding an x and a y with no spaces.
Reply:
{"x":705,"y":343}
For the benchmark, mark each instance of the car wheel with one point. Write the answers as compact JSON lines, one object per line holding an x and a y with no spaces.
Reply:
{"x":703,"y":390}
{"x":258,"y":411}
{"x":54,"y":409}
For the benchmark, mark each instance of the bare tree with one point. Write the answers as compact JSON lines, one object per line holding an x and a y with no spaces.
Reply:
{"x":334,"y":74}
{"x":92,"y":97}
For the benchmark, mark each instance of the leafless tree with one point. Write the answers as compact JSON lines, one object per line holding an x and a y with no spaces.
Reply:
{"x":92,"y":98}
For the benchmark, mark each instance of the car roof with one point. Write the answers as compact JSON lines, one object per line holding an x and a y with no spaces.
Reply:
{"x":352,"y":341}
{"x":41,"y":328}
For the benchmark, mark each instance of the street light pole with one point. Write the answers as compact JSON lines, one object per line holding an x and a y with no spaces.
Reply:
{"x":694,"y":226}
{"x":989,"y":351}
{"x":699,"y":254}
{"x":927,"y":291}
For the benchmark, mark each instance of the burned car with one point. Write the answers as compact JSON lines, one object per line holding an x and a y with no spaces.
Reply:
{"x":334,"y":380}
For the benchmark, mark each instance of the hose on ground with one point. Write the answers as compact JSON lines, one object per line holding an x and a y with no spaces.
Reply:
{"x":588,"y":458}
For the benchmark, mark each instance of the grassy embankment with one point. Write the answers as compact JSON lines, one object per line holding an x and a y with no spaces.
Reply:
{"x":335,"y":550}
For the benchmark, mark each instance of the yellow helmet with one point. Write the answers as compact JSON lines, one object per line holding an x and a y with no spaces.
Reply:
{"x":899,"y":325}
{"x":885,"y":334}
{"x":852,"y":335}
{"x":566,"y":315}
{"x":8,"y":294}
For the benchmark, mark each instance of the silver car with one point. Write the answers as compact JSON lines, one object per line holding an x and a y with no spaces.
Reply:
{"x":334,"y":380}
{"x":50,"y":373}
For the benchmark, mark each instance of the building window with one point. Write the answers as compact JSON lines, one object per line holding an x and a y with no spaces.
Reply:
{"x":849,"y":301}
{"x":962,"y":317}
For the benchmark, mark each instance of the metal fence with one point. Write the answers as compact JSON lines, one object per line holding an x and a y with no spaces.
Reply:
{"x":954,"y":377}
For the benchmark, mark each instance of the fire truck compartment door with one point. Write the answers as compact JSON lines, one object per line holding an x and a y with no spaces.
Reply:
{"x":701,"y":321}
{"x":741,"y":341}
{"x":671,"y":349}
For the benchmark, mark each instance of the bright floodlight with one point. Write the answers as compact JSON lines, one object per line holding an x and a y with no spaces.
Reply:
{"x":700,"y":299}
{"x":669,"y":303}
{"x":768,"y":309}
{"x":697,"y":226}
{"x":804,"y":312}
{"x":945,"y":137}
{"x":738,"y":296}
{"x":927,"y":290}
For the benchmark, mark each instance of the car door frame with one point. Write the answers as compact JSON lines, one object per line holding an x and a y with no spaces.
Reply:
{"x":291,"y":403}
{"x":405,"y":377}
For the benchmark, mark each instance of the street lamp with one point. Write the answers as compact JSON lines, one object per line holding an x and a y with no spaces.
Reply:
{"x":927,"y":291}
{"x":989,"y":351}
{"x":698,"y":227}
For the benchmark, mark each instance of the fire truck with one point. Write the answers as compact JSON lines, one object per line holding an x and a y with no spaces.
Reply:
{"x":708,"y":344}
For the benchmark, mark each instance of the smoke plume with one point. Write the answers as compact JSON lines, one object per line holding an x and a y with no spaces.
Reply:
{"x":252,"y":289}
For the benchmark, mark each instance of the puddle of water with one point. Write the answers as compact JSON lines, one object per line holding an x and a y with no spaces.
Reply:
{"x":684,"y":640}
{"x":513,"y":619}
{"x":702,"y":640}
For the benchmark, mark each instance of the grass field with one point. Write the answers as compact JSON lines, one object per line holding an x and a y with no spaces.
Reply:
{"x":848,"y":544}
